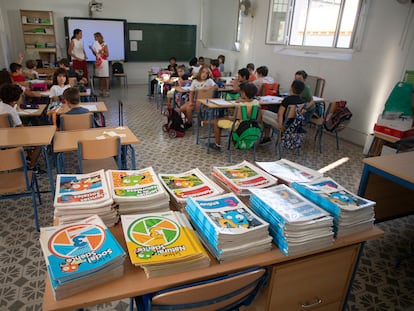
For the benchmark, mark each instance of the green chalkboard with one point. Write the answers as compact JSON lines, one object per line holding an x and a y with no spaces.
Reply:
{"x":158,"y":42}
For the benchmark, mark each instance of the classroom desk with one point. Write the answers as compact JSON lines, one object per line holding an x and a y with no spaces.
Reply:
{"x":134,"y":282}
{"x":389,"y":181}
{"x":32,"y":112}
{"x":26,"y":136}
{"x":381,"y":138}
{"x":65,"y":141}
{"x":91,"y":106}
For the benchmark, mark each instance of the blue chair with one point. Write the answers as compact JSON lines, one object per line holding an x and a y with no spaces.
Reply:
{"x":227,"y":292}
{"x":16,"y":180}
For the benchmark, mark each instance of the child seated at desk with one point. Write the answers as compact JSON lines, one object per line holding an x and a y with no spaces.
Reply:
{"x":182,"y":81}
{"x":215,"y":71}
{"x":262,"y":77}
{"x":252,"y":75}
{"x":16,"y":71}
{"x":72,"y":73}
{"x":60,"y":83}
{"x":30,"y":72}
{"x":72,"y":99}
{"x":248,"y":92}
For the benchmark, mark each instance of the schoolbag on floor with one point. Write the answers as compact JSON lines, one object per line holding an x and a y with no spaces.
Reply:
{"x":339,"y":119}
{"x":248,"y":131}
{"x":293,"y":135}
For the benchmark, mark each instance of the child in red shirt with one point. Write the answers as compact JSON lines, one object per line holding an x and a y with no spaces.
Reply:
{"x":17,"y":72}
{"x":215,"y":71}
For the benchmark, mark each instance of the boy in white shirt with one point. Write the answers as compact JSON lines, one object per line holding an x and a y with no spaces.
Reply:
{"x":11,"y":95}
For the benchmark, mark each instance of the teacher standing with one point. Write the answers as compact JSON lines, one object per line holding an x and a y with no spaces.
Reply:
{"x":100,"y":50}
{"x":77,"y":52}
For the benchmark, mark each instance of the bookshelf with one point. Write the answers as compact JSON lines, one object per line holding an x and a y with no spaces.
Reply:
{"x":39,"y":34}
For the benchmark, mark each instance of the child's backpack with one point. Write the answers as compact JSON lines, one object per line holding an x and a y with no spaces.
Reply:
{"x":248,"y":132}
{"x":339,"y":119}
{"x":117,"y":68}
{"x":293,"y":135}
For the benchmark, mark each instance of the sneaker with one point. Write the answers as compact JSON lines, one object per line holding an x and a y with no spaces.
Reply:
{"x":265,"y":141}
{"x":215,"y":146}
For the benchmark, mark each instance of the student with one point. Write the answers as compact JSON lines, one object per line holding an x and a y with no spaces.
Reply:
{"x":72,"y":98}
{"x":182,"y":81}
{"x":30,"y":72}
{"x":60,"y":83}
{"x":221,"y":58}
{"x":252,"y":75}
{"x":16,"y":71}
{"x":100,"y":50}
{"x":201,"y":61}
{"x":172,"y":66}
{"x":241,"y":80}
{"x":72,"y":73}
{"x":202,"y":81}
{"x":194,"y":66}
{"x":248,"y":92}
{"x":77,"y":51}
{"x":262,"y":77}
{"x":215,"y":71}
{"x":5,"y":77}
{"x":306,"y":95}
{"x":274,"y":116}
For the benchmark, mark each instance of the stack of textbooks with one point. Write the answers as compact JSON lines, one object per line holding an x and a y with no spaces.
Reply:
{"x":228,"y":228}
{"x":163,"y":243}
{"x":351,"y":213}
{"x":137,"y":191}
{"x":80,"y":255}
{"x":80,"y":196}
{"x":192,"y":183}
{"x":287,"y":171}
{"x":241,"y":177}
{"x":296,"y":224}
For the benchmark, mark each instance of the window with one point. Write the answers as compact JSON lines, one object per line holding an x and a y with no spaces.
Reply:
{"x":315,"y":23}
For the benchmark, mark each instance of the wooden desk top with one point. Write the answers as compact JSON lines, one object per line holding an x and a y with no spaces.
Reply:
{"x":134,"y":282}
{"x":68,"y":140}
{"x":399,"y":164}
{"x":98,"y":106}
{"x":27,"y":136}
{"x":32,"y":112}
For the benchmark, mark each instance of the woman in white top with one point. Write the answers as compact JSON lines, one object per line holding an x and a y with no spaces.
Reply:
{"x":100,"y":50}
{"x":60,"y":83}
{"x":77,"y":52}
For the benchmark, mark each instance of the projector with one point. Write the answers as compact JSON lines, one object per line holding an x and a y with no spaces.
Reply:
{"x":95,"y":6}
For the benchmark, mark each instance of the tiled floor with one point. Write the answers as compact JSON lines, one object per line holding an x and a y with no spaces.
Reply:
{"x":385,"y":279}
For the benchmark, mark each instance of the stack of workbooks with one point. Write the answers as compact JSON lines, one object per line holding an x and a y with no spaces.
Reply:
{"x":287,"y":171}
{"x":163,"y":243}
{"x":296,"y":224}
{"x":137,"y":191}
{"x":227,"y":227}
{"x":80,"y":255}
{"x":241,"y":177}
{"x":351,"y":213}
{"x":79,"y":196}
{"x":192,"y":183}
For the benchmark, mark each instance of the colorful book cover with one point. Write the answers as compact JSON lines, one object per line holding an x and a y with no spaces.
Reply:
{"x":244,"y":175}
{"x":133,"y":184}
{"x":75,"y":190}
{"x":76,"y":250}
{"x":156,"y":238}
{"x":192,"y":183}
{"x":289,"y":171}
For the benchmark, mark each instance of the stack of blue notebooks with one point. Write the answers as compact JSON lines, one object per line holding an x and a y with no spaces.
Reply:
{"x":296,"y":224}
{"x":227,"y":227}
{"x":351,"y":213}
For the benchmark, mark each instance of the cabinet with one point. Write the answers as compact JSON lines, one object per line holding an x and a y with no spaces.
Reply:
{"x":317,"y":282}
{"x":39,"y":35}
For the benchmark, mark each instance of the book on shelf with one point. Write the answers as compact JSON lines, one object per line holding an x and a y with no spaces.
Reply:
{"x":80,"y":255}
{"x":240,"y":177}
{"x":288,"y":171}
{"x":192,"y":183}
{"x":296,"y":224}
{"x":347,"y":208}
{"x":155,"y":240}
{"x":228,"y":227}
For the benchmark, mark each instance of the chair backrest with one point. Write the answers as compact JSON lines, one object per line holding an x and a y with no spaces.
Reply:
{"x":5,"y":120}
{"x":72,"y":81}
{"x":269,"y":89}
{"x":117,"y":68}
{"x":204,"y":93}
{"x":70,"y":122}
{"x":13,"y":159}
{"x":316,"y":84}
{"x":226,"y":292}
{"x":95,"y":149}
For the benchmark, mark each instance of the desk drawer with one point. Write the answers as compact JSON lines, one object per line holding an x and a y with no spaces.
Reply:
{"x":318,"y":282}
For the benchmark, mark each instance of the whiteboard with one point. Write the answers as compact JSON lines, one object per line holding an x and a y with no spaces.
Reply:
{"x":113,"y":31}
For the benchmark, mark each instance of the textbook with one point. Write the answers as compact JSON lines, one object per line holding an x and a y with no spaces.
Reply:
{"x":227,"y":227}
{"x":242,"y":176}
{"x":289,"y":171}
{"x":296,"y":224}
{"x":137,"y":190}
{"x":192,"y":183}
{"x":155,"y":240}
{"x":79,"y":196}
{"x":79,"y":255}
{"x":348,"y":209}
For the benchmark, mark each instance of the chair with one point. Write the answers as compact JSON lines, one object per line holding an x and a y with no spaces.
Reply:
{"x":99,"y":154}
{"x":70,"y":122}
{"x":316,"y":84}
{"x":5,"y":120}
{"x":198,"y":115}
{"x":227,"y":292}
{"x":269,"y":89}
{"x":16,"y":180}
{"x":119,"y":73}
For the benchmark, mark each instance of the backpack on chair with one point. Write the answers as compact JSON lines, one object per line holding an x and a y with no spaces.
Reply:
{"x":248,"y":132}
{"x":294,"y":135}
{"x":339,"y":119}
